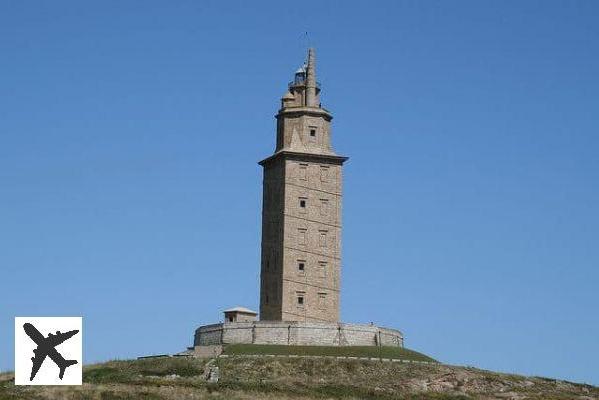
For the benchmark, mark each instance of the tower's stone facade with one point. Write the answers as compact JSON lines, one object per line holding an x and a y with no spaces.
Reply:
{"x":301,"y":239}
{"x":301,"y":212}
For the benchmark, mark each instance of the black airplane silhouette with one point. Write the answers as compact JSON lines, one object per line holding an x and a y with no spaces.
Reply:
{"x":46,"y":347}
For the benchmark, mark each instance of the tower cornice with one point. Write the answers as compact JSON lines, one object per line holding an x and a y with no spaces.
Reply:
{"x":299,"y":111}
{"x":300,"y":156}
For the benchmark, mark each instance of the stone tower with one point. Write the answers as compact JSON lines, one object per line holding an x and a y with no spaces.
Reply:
{"x":301,"y":211}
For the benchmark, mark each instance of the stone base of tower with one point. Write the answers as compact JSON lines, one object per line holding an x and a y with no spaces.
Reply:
{"x":296,"y":334}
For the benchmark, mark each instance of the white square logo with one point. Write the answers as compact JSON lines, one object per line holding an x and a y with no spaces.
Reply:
{"x":48,"y":350}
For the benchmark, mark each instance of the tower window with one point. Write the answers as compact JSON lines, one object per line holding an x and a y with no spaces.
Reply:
{"x":322,"y":300}
{"x":301,"y":266}
{"x":303,"y":171}
{"x":322,"y":269}
{"x":324,"y":173}
{"x":301,"y":236}
{"x":300,"y":299}
{"x":324,"y":206}
{"x":302,"y":203}
{"x":312,"y":134}
{"x":266,"y":299}
{"x":323,"y":239}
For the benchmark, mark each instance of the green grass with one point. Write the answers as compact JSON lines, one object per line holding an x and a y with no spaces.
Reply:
{"x":130,"y":371}
{"x":338,"y":351}
{"x":330,"y":392}
{"x":290,"y":378}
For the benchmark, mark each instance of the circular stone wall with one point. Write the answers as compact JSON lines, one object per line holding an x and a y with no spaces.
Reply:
{"x":297,"y":334}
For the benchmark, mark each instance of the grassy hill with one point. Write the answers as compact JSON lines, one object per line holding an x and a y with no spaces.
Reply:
{"x":244,"y":376}
{"x":397,"y":353}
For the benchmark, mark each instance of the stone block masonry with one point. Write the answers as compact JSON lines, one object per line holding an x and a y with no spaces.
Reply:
{"x":301,"y":210}
{"x":300,"y":267}
{"x":297,"y":333}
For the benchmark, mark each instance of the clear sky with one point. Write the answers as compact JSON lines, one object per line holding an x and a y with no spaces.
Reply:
{"x":130,"y":192}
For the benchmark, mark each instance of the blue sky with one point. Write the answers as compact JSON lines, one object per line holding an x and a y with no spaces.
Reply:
{"x":130,"y":193}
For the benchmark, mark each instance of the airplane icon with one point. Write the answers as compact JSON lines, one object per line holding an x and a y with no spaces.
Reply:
{"x":46,"y":347}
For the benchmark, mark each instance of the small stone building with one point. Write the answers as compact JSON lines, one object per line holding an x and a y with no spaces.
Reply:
{"x":240,"y":314}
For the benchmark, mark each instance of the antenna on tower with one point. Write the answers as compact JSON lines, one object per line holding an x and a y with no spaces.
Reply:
{"x":304,"y":40}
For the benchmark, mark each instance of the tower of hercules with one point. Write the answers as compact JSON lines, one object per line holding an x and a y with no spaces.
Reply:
{"x":301,"y":212}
